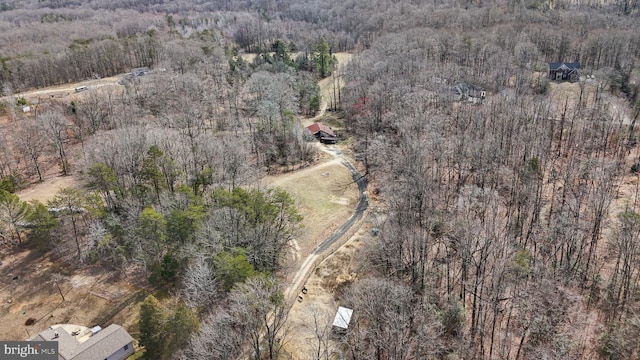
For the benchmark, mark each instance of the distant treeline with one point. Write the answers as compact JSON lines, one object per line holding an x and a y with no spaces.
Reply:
{"x":82,"y":60}
{"x":529,"y":33}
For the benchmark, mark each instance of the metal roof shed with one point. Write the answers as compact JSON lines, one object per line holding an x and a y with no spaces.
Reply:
{"x":343,"y":317}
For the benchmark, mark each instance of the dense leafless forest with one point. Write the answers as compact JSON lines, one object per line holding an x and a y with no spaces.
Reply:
{"x":511,"y":224}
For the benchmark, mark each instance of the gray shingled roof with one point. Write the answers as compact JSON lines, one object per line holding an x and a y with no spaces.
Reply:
{"x":558,"y":65}
{"x":103,"y":344}
{"x":66,"y":342}
{"x":99,"y":346}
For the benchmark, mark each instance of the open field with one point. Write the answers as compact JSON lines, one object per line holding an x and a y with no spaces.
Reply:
{"x":66,"y":90}
{"x":325,"y":196}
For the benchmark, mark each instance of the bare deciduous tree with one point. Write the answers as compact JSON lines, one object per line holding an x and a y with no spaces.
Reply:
{"x":199,"y":288}
{"x":31,"y":144}
{"x":54,"y":127}
{"x":259,"y":307}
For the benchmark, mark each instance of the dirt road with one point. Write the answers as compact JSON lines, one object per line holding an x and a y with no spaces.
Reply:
{"x":59,"y":91}
{"x":323,"y":248}
{"x":328,"y":256}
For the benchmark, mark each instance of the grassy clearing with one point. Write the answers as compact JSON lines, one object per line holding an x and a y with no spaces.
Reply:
{"x":324,"y":194}
{"x":333,"y":121}
{"x":568,"y":93}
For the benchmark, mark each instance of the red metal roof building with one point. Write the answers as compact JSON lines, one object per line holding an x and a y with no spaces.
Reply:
{"x":316,"y":128}
{"x":321,"y":132}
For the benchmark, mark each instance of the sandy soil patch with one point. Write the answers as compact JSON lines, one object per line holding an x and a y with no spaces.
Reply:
{"x":47,"y":189}
{"x":319,"y":305}
{"x":34,"y":286}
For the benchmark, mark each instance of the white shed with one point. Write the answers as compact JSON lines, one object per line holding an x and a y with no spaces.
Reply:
{"x":343,"y":317}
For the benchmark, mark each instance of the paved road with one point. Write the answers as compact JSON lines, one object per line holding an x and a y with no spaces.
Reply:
{"x":363,"y":202}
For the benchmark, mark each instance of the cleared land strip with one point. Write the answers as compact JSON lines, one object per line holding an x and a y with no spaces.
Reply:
{"x":325,"y":247}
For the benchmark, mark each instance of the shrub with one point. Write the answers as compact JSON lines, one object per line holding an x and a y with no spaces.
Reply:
{"x":453,"y":318}
{"x":542,"y":86}
{"x":164,"y":274}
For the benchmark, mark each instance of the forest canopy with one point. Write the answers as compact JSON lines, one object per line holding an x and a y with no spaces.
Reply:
{"x":506,"y":208}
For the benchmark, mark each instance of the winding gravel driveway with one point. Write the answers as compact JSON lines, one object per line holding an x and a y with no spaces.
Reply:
{"x":363,"y":202}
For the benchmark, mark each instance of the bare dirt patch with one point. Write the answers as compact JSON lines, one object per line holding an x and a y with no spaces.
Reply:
{"x":328,"y":278}
{"x":36,"y":292}
{"x":47,"y":189}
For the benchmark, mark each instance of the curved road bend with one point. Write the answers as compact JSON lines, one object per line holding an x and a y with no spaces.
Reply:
{"x":363,"y":203}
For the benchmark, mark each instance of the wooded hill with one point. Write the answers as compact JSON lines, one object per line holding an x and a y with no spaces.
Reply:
{"x":512,"y":229}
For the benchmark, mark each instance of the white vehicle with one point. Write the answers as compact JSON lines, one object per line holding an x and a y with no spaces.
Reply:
{"x":82,"y":88}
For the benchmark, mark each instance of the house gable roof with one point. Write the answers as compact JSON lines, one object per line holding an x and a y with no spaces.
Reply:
{"x":564,"y":66}
{"x":66,"y":342}
{"x":99,"y":346}
{"x":104,"y":343}
{"x":317,"y":127}
{"x":467,"y":89}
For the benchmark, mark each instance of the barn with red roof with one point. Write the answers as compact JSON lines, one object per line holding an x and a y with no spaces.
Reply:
{"x":321,"y":132}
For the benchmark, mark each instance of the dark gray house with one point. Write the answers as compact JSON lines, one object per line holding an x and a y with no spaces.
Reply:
{"x":564,"y":71}
{"x":468,"y":92}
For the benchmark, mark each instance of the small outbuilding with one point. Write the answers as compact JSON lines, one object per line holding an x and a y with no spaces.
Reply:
{"x":320,"y":132}
{"x":343,"y":318}
{"x":564,"y":71}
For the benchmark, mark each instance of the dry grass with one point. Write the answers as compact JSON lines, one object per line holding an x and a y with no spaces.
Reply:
{"x":325,"y":196}
{"x":326,"y":84}
{"x":561,"y":93}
